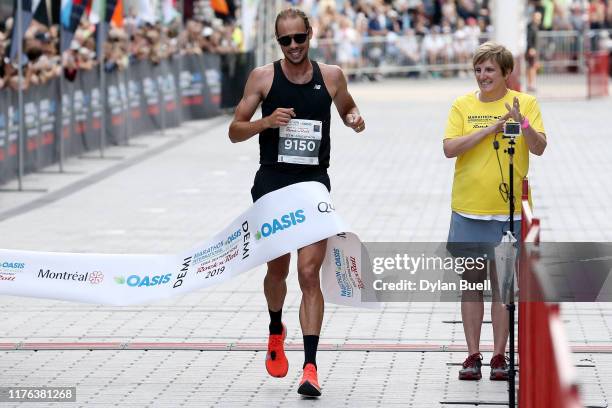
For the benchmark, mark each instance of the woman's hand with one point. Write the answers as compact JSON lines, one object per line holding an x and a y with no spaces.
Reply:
{"x":498,"y":127}
{"x":515,"y":111}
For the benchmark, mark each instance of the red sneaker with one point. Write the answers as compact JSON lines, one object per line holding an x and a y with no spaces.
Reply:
{"x":309,"y":386}
{"x":276,"y":360}
{"x":499,"y":368}
{"x":471,"y":368}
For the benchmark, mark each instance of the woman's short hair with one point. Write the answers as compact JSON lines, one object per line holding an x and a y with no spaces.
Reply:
{"x":495,"y":52}
{"x":291,"y":13}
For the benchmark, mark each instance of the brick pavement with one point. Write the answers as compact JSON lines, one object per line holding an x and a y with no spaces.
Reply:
{"x":391,"y":183}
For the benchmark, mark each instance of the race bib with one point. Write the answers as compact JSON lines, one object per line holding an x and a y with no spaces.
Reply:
{"x":299,"y":142}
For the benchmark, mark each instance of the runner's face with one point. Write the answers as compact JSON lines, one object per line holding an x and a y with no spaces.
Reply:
{"x":489,"y":77}
{"x":294,"y":53}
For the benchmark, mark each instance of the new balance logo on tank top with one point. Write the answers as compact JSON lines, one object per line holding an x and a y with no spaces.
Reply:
{"x":304,"y":142}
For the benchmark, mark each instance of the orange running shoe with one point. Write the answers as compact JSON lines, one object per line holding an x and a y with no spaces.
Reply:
{"x":276,"y":361}
{"x":309,"y":386}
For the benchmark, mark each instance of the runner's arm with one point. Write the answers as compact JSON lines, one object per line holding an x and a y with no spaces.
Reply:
{"x":347,"y":109}
{"x":242,"y":128}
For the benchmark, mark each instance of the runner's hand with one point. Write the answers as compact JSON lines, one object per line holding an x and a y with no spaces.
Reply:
{"x":355,"y":122}
{"x":280,"y":117}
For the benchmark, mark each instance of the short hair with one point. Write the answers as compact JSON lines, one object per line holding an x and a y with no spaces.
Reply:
{"x":496,"y":52}
{"x":291,"y":13}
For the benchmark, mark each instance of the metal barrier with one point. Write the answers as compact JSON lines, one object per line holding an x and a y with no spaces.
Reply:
{"x":561,"y":52}
{"x":546,"y":376}
{"x":446,"y":54}
{"x":160,"y":96}
{"x":562,"y":70}
{"x":570,"y":64}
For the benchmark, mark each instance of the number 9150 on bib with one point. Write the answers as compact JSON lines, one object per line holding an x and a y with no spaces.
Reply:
{"x":299,"y":142}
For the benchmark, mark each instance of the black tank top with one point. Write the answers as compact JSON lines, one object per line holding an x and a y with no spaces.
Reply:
{"x":309,"y":101}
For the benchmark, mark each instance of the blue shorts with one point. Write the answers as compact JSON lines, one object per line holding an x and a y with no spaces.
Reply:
{"x":470,"y":237}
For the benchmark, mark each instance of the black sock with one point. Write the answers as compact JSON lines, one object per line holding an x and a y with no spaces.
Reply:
{"x":310,"y":349}
{"x":276,"y":325}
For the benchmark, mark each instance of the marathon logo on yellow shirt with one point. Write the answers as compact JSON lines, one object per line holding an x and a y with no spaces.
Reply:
{"x":482,"y":121}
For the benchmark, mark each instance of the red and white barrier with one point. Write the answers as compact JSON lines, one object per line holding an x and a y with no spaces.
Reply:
{"x":547,"y":375}
{"x":598,"y":80}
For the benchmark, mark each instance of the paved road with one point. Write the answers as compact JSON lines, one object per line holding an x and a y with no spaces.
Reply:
{"x":391,"y":183}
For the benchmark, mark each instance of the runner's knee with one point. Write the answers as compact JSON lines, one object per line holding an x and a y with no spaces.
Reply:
{"x":277,"y":274}
{"x":308,"y":276}
{"x":278,"y":269}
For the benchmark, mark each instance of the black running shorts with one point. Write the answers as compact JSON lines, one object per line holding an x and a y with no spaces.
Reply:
{"x":268,"y":179}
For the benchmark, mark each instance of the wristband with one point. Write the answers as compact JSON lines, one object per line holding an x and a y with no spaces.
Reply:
{"x":525,"y":123}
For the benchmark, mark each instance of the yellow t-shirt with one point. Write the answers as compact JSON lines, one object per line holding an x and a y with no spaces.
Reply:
{"x":477,"y":171}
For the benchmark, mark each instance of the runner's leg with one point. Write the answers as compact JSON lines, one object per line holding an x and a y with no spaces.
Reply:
{"x":310,"y":259}
{"x":275,"y":282}
{"x":275,"y":289}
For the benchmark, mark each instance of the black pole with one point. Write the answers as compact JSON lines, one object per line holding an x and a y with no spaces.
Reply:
{"x":128,"y":115}
{"x":60,"y":133}
{"x":21,"y":132}
{"x":101,"y":38}
{"x":510,"y":306}
{"x":179,"y":57}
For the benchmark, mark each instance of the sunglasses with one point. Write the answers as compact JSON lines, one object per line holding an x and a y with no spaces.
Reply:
{"x":285,"y":40}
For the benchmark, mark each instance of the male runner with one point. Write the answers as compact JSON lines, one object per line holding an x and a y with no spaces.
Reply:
{"x":291,"y":89}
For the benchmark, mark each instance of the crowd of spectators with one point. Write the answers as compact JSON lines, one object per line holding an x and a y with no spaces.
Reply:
{"x":350,"y":33}
{"x":428,"y":32}
{"x":135,"y":40}
{"x":42,"y":55}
